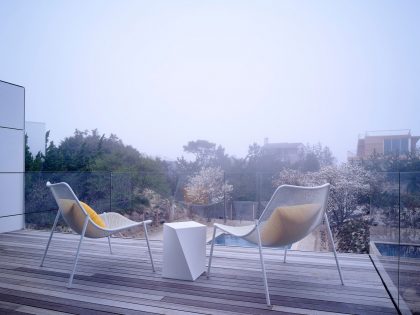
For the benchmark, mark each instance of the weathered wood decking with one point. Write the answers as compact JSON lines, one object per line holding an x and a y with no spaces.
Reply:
{"x":123,"y":283}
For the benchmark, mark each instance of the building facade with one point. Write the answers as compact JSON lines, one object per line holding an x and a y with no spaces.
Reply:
{"x":12,"y":156}
{"x":285,"y":152}
{"x":389,"y":142}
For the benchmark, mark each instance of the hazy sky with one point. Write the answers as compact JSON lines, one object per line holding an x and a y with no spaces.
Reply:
{"x":161,"y":73}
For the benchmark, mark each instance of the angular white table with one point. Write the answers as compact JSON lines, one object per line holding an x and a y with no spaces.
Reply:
{"x":184,"y":250}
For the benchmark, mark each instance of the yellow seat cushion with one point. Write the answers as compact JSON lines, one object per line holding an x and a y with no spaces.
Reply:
{"x":93,"y":215}
{"x":289,"y":224}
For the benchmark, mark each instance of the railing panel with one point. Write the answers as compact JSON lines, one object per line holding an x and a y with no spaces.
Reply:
{"x":395,"y":235}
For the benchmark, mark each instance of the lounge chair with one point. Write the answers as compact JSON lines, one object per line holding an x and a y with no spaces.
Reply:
{"x":75,"y":214}
{"x":292,"y":213}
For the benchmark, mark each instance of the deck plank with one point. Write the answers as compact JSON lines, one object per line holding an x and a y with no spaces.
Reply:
{"x":123,"y":283}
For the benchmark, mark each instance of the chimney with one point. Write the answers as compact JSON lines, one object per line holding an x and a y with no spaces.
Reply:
{"x":265,"y":141}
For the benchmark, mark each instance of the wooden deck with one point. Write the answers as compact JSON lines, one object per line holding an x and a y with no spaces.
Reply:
{"x":123,"y":283}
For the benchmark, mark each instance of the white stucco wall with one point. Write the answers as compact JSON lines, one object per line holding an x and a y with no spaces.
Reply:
{"x":12,"y":156}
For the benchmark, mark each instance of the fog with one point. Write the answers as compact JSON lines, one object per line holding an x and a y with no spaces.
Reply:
{"x":161,"y":73}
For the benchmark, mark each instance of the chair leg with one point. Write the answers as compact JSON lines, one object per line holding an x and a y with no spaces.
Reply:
{"x":148,"y":246}
{"x":78,"y":251}
{"x":333,"y":246}
{"x":285,"y":253}
{"x":211,"y":252}
{"x":109,"y":243}
{"x":267,"y":294}
{"x":49,"y":240}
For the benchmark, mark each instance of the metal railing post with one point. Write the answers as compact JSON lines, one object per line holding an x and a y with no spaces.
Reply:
{"x":110,"y":191}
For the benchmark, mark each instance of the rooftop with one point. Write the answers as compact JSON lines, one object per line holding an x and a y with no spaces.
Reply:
{"x":283,"y":145}
{"x":124,"y":282}
{"x":384,"y":133}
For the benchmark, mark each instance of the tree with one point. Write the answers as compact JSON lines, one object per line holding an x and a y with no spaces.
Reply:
{"x":54,"y":161}
{"x":314,"y":157}
{"x":29,"y":159}
{"x":32,"y":164}
{"x":207,"y":186}
{"x":392,"y":162}
{"x":348,"y":202}
{"x":37,"y":162}
{"x":254,"y":153}
{"x":86,"y":160}
{"x":207,"y":154}
{"x":203,"y":150}
{"x":310,"y":163}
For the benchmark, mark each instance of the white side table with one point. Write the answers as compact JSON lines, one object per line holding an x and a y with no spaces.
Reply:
{"x":184,"y":250}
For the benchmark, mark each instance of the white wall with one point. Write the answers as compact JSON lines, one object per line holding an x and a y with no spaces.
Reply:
{"x":36,"y":136}
{"x":12,"y":109}
{"x":12,"y":156}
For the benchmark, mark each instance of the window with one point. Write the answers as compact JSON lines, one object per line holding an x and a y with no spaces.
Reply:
{"x":404,"y":146}
{"x":396,"y":146}
{"x":387,"y":146}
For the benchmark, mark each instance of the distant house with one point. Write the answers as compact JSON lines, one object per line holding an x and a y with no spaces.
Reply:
{"x":285,"y":152}
{"x":387,"y":142}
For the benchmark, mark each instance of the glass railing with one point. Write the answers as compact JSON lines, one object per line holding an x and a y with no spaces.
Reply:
{"x":154,"y":196}
{"x":395,"y":237}
{"x":138,"y":196}
{"x":238,"y":202}
{"x":12,"y":201}
{"x":232,"y":198}
{"x":237,"y":199}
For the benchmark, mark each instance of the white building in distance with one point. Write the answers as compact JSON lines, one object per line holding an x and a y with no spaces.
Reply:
{"x":36,"y":137}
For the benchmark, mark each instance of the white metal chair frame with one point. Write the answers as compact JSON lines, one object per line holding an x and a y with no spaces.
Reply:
{"x":94,"y":230}
{"x":244,"y":232}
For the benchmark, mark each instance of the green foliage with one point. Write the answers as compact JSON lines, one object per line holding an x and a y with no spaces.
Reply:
{"x":392,"y":163}
{"x":28,"y":156}
{"x":310,"y":163}
{"x":314,"y":157}
{"x":54,"y":160}
{"x":207,"y":154}
{"x":101,"y":170}
{"x":396,"y":199}
{"x":353,"y":236}
{"x":31,"y":163}
{"x":251,"y":177}
{"x":143,"y":200}
{"x":38,"y":202}
{"x":90,"y":152}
